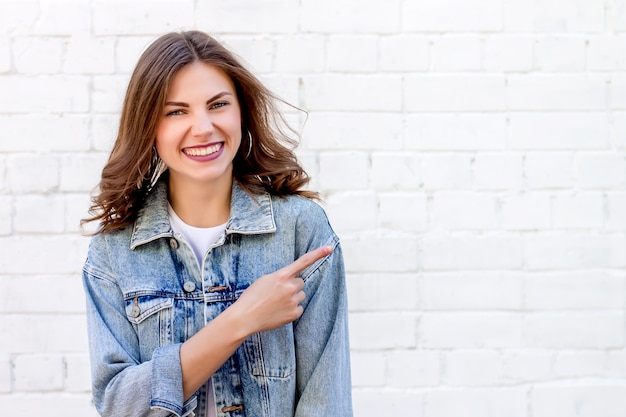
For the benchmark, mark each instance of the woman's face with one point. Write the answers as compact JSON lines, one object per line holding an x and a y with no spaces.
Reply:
{"x":199,"y":132}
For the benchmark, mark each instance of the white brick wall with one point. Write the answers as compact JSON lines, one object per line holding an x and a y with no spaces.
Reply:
{"x":472,"y":157}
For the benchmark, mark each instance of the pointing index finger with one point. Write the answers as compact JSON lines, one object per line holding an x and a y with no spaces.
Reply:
{"x":307,"y":260}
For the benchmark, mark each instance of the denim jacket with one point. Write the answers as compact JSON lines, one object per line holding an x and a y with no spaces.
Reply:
{"x":146,"y":295}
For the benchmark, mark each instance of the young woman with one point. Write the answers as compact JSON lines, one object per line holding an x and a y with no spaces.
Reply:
{"x":214,"y":285}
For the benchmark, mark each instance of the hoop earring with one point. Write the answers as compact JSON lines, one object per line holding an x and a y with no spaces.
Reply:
{"x":249,"y":145}
{"x":157,"y":167}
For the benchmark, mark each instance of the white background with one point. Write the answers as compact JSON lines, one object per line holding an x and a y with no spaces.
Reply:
{"x":471,"y":154}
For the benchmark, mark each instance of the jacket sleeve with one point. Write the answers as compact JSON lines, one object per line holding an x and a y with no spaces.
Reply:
{"x":322,"y":347}
{"x":123,"y":384}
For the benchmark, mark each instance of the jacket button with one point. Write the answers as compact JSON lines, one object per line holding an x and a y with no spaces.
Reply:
{"x":135,"y":311}
{"x":173,"y":243}
{"x":189,"y":286}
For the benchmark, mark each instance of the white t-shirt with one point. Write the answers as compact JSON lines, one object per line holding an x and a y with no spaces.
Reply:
{"x":200,"y":239}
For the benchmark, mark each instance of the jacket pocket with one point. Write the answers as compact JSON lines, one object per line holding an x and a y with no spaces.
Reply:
{"x":272,"y":353}
{"x":152,"y":315}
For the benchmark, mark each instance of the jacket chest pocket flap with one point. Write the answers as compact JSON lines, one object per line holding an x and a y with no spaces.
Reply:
{"x":139,"y":308}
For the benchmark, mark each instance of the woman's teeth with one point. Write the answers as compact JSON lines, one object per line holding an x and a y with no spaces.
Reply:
{"x":202,"y":151}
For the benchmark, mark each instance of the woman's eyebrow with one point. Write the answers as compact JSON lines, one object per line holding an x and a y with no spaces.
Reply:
{"x":183,"y":104}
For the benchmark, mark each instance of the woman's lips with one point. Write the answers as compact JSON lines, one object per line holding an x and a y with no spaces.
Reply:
{"x":203,"y":150}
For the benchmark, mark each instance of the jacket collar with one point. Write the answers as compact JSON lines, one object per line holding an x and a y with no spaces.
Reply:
{"x":249,"y":214}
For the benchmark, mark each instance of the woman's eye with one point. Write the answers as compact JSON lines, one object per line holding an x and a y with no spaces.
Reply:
{"x":219,"y":104}
{"x":174,"y":113}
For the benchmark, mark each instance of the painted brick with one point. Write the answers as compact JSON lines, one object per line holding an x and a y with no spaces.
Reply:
{"x":472,"y":368}
{"x":580,"y":251}
{"x":6,"y":215}
{"x":18,"y":17}
{"x":81,"y":174}
{"x":468,"y":291}
{"x":561,"y":54}
{"x":467,"y":132}
{"x":469,"y":330}
{"x":104,"y":132}
{"x":381,"y":255}
{"x":554,"y":16}
{"x":601,"y":170}
{"x":34,"y":55}
{"x":619,"y":130}
{"x":39,"y":214}
{"x":471,"y":252}
{"x":463,"y":210}
{"x":142,"y":17}
{"x":128,"y":50}
{"x":606,"y":52}
{"x":431,"y":93}
{"x":498,"y":171}
{"x":557,"y":92}
{"x":373,"y":330}
{"x":549,"y":170}
{"x":77,"y":373}
{"x":447,"y":171}
{"x":581,"y":400}
{"x":47,"y":94}
{"x":56,"y":254}
{"x":578,"y":211}
{"x":43,"y":334}
{"x":458,"y":53}
{"x":362,"y":55}
{"x":414,"y":368}
{"x":38,"y":173}
{"x":529,"y":365}
{"x":379,"y":292}
{"x":354,"y":131}
{"x":368,"y":369}
{"x":453,"y":16}
{"x":369,"y":403}
{"x":396,"y":171}
{"x":616,"y":363}
{"x":44,"y":133}
{"x":46,"y":404}
{"x":559,"y":131}
{"x":53,"y":18}
{"x":108,"y":93}
{"x":508,"y":53}
{"x":246,"y":16}
{"x":55,"y":294}
{"x":350,"y":16}
{"x":343,"y":170}
{"x":76,"y":209}
{"x":90,"y":56}
{"x":527,"y":211}
{"x":257,"y":52}
{"x":5,"y":55}
{"x":616,"y":206}
{"x":300,"y":54}
{"x":573,"y":290}
{"x":39,"y":373}
{"x":3,"y":181}
{"x":403,"y":212}
{"x":404,"y":53}
{"x":617,"y":95}
{"x":476,"y":402}
{"x":585,"y":330}
{"x":5,"y":374}
{"x":342,"y":206}
{"x":580,"y":364}
{"x":353,"y":92}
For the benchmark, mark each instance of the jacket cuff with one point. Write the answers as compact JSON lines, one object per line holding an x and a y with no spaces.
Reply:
{"x":167,"y":382}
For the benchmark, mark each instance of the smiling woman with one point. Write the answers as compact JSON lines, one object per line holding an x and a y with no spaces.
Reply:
{"x":215,"y":285}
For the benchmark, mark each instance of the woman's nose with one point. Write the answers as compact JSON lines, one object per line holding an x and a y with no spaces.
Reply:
{"x":201,"y":124}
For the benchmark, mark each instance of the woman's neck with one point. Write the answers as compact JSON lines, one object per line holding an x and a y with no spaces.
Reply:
{"x":200,"y":204}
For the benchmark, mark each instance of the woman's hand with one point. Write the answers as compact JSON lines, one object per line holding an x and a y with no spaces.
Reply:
{"x":274,"y":300}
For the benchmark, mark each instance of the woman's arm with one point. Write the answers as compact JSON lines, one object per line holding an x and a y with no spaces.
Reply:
{"x":124,"y":385}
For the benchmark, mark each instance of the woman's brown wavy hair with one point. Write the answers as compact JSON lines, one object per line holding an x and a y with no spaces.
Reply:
{"x":268,"y":163}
